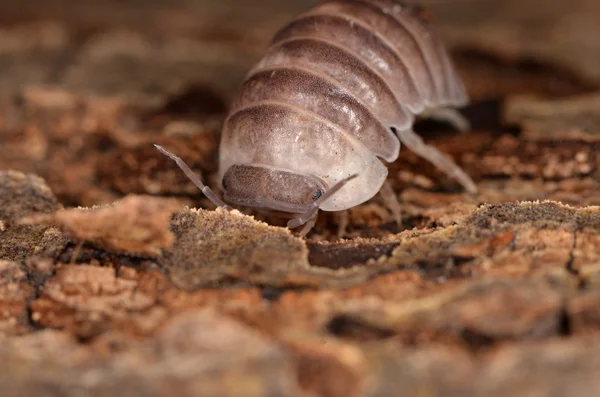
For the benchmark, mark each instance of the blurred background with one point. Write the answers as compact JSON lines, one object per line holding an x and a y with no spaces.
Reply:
{"x":154,"y":46}
{"x":87,"y":85}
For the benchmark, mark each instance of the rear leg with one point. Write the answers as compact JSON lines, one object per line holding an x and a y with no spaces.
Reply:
{"x":342,"y":218}
{"x":448,"y":115}
{"x":390,"y":199}
{"x":437,"y":158}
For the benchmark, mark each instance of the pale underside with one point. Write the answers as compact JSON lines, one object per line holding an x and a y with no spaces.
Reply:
{"x":335,"y":82}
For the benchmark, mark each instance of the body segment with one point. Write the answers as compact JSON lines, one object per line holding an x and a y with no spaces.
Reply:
{"x":332,"y":99}
{"x":337,"y":92}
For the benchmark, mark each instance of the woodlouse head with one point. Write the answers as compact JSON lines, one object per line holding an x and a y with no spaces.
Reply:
{"x":271,"y":188}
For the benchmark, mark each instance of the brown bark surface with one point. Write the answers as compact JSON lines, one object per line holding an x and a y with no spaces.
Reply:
{"x":118,"y":278}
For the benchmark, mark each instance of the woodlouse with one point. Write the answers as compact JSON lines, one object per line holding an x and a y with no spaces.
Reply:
{"x":337,"y":91}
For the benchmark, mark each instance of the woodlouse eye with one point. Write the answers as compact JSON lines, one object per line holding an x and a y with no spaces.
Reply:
{"x":317,"y":194}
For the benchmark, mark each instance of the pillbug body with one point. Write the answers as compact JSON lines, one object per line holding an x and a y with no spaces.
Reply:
{"x":336,"y":93}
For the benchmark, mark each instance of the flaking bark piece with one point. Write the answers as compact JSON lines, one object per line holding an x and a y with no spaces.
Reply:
{"x":220,"y":350}
{"x":137,"y":225}
{"x":15,"y":292}
{"x":493,"y":227}
{"x":556,"y":367}
{"x":88,"y":300}
{"x":511,"y":240}
{"x":199,"y":353}
{"x":213,"y":246}
{"x":26,"y":195}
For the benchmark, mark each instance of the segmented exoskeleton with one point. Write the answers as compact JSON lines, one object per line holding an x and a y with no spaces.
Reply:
{"x":336,"y":93}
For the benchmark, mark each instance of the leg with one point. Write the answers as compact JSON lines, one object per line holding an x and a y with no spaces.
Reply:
{"x":448,"y":115}
{"x":343,"y":223}
{"x":390,"y":199}
{"x":437,"y":158}
{"x":75,"y":253}
{"x":308,"y":225}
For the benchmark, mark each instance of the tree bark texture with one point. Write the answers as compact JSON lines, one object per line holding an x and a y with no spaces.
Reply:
{"x":118,"y":278}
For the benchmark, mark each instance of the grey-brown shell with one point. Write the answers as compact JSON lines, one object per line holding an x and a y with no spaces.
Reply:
{"x":333,"y":86}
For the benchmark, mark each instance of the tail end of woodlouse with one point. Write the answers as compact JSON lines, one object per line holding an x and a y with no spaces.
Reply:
{"x":310,"y":216}
{"x":194,"y":178}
